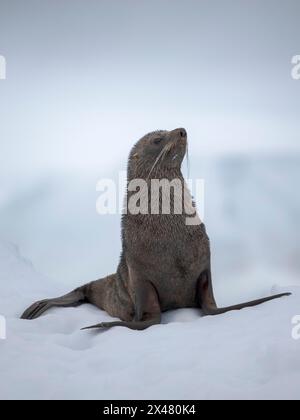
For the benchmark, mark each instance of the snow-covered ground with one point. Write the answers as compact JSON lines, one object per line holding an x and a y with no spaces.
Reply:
{"x":246,"y":354}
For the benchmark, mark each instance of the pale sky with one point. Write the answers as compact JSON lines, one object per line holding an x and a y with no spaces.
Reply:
{"x":86,"y":79}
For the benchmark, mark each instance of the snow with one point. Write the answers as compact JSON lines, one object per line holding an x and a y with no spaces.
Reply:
{"x":246,"y":354}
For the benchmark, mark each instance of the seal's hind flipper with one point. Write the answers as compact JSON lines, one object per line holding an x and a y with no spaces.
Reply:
{"x":37,"y":309}
{"x":208,"y":305}
{"x":218,"y":311}
{"x":74,"y":298}
{"x":133,"y":325}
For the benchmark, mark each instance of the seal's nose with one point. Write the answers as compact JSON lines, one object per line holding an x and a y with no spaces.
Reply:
{"x":180,"y":132}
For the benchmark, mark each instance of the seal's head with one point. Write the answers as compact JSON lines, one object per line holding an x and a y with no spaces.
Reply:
{"x":158,"y":153}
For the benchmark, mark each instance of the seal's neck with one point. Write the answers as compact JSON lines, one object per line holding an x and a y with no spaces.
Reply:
{"x":159,"y":173}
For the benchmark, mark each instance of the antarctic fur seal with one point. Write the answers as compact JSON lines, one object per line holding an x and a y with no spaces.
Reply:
{"x":165,"y":263}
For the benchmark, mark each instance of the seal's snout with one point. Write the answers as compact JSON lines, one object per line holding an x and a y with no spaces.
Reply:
{"x":182,"y":133}
{"x":179,"y":134}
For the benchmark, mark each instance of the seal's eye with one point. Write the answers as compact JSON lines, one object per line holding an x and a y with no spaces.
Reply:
{"x":157,"y":140}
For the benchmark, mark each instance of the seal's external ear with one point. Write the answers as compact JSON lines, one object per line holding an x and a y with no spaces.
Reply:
{"x":135,"y":156}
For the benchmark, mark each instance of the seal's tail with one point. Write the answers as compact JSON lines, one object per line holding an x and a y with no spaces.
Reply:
{"x":208,"y":304}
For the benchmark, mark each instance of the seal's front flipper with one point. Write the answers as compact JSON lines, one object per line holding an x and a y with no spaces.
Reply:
{"x":74,"y":298}
{"x":209,"y":307}
{"x":133,"y":325}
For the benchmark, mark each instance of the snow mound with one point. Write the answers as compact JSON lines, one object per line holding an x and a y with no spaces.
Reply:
{"x":246,"y":354}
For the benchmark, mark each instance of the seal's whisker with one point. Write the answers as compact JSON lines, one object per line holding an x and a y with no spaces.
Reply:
{"x":162,"y":153}
{"x":166,"y":149}
{"x":187,"y":160}
{"x":155,"y":163}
